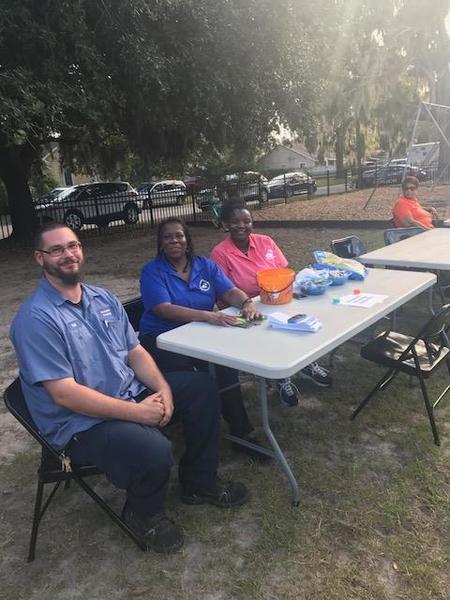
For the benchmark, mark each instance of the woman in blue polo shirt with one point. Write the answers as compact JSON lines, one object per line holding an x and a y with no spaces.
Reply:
{"x":178,"y":287}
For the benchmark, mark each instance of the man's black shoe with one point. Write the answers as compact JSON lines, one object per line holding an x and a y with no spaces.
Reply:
{"x":158,"y":531}
{"x":225,"y":494}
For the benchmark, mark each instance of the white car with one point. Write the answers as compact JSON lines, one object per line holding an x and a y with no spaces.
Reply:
{"x":160,"y":193}
{"x":98,"y":203}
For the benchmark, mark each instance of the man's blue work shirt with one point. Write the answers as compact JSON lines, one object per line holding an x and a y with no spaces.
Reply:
{"x":55,"y":339}
{"x":161,"y":283}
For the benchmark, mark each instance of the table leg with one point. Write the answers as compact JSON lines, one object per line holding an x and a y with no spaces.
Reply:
{"x":430,"y":299}
{"x":276,"y":451}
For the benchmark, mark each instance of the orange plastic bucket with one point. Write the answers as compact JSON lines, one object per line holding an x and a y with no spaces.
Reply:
{"x":275,"y":285}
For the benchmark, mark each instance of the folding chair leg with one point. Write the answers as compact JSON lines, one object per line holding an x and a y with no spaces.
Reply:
{"x":39,"y":513}
{"x":430,"y":412}
{"x":108,"y":510}
{"x":384,"y":381}
{"x":36,"y":520}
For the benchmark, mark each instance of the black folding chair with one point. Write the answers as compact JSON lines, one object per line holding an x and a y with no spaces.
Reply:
{"x":348,"y":247}
{"x":417,"y":356}
{"x":55,"y":467}
{"x":391,"y":236}
{"x":134,"y":309}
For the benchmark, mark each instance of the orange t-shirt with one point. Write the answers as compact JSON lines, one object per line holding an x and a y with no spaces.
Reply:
{"x":406,"y":206}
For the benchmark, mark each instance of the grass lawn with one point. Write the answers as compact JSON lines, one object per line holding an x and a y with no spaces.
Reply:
{"x":374,"y":516}
{"x":321,"y":180}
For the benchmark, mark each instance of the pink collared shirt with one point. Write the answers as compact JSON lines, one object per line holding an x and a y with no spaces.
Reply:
{"x":241,"y":268}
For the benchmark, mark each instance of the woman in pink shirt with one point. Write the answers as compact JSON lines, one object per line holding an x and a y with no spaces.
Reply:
{"x":241,"y":255}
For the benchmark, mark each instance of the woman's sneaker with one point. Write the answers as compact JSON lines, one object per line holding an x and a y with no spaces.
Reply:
{"x":289,"y":394}
{"x":317,"y":374}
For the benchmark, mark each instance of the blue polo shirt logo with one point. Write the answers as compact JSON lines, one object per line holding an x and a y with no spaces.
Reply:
{"x":204,"y":285}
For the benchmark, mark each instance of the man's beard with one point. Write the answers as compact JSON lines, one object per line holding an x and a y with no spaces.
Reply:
{"x":67,"y":278}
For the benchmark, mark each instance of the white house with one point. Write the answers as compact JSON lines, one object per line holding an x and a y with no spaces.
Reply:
{"x":287,"y":158}
{"x":62,"y":176}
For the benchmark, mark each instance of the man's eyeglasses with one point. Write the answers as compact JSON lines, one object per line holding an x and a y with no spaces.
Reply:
{"x":410,"y":188}
{"x":57,"y":251}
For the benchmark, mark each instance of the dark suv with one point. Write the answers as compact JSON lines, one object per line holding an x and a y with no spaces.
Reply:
{"x":97,"y":203}
{"x":248,"y":185}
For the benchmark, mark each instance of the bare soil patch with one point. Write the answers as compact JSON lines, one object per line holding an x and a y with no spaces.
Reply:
{"x":352,"y":206}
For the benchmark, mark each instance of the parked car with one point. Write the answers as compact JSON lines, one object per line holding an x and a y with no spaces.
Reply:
{"x":97,"y":203}
{"x":207,"y":198}
{"x":49,"y":196}
{"x":292,"y":183}
{"x":159,"y":193}
{"x":248,"y":185}
{"x":391,"y":174}
{"x":421,"y":174}
{"x":195,"y":183}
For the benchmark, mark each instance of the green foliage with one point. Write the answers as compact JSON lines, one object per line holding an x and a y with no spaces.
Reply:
{"x":41,"y":180}
{"x":381,"y":58}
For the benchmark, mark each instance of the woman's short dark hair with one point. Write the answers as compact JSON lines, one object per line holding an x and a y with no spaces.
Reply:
{"x":230,"y":206}
{"x":410,"y":180}
{"x":187,"y":234}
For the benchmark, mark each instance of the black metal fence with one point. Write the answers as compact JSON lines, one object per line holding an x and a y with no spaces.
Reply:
{"x":201,"y":203}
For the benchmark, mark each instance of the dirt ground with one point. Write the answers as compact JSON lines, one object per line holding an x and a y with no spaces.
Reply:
{"x":360,"y":205}
{"x":266,"y":550}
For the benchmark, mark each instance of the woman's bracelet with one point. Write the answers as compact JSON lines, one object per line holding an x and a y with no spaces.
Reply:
{"x":246,"y":301}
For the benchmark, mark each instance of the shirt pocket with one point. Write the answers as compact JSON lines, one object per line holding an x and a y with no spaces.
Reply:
{"x":115,"y":335}
{"x":83,"y":347}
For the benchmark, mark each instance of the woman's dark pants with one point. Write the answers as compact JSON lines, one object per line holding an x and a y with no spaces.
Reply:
{"x":233,"y":409}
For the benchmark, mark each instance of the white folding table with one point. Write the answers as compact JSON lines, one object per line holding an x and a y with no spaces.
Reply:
{"x":428,"y":250}
{"x":275,"y":354}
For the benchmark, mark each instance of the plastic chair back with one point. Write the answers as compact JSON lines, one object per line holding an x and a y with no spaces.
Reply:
{"x":391,"y":236}
{"x":348,"y":247}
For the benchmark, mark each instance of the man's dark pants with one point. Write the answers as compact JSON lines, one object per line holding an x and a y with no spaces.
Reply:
{"x":138,"y":458}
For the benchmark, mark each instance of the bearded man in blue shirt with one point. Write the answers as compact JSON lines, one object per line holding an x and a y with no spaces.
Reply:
{"x":95,"y":393}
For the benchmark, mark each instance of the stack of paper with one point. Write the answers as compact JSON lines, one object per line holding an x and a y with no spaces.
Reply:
{"x":362,"y":300}
{"x":279,"y":320}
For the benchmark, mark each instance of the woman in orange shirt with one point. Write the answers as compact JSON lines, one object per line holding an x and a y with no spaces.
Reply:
{"x":408,"y":212}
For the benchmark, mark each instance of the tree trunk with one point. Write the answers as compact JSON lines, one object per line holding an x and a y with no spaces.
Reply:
{"x":340,"y":147}
{"x":360,"y":143}
{"x":15,"y":162}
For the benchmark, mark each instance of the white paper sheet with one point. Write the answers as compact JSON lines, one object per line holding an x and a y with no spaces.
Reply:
{"x":362,"y":300}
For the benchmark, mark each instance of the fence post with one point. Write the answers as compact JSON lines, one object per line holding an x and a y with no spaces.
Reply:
{"x":150,"y":205}
{"x":346,"y":180}
{"x":328,"y":182}
{"x":308,"y":187}
{"x":194,"y":212}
